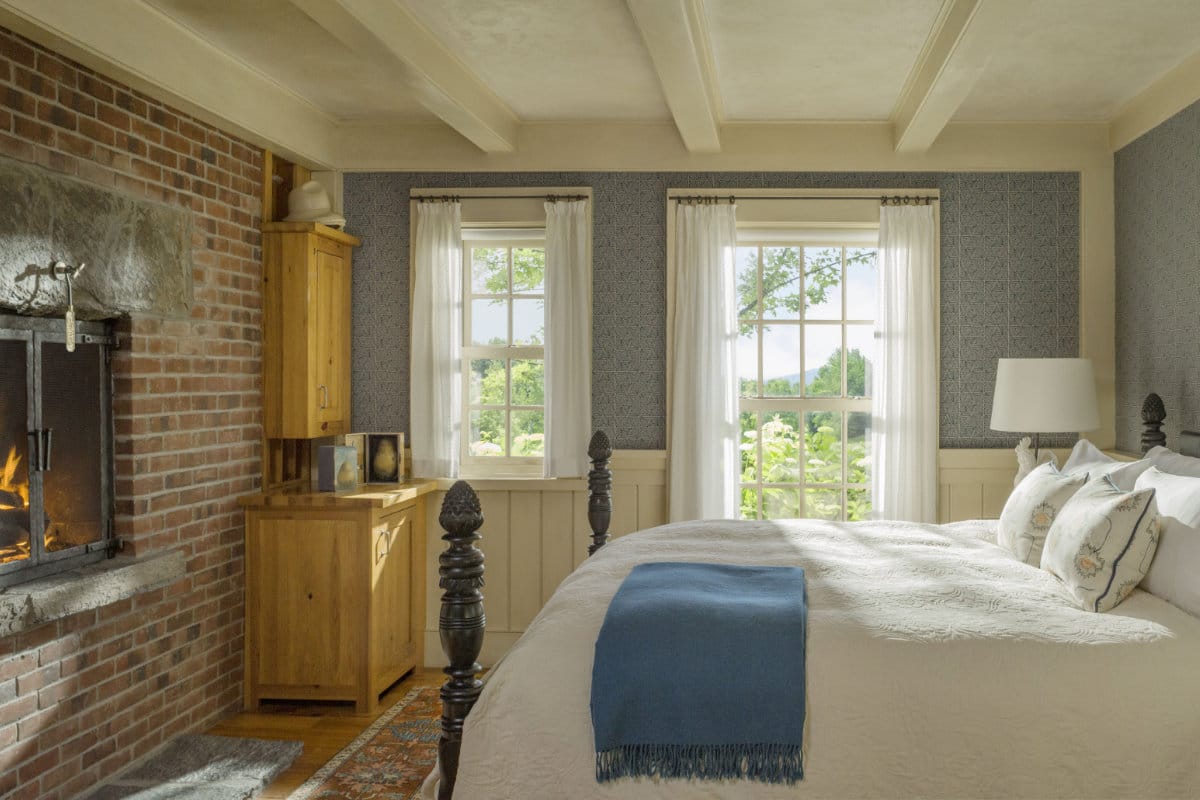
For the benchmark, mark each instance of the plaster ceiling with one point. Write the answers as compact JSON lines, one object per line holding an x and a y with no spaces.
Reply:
{"x":487,"y":68}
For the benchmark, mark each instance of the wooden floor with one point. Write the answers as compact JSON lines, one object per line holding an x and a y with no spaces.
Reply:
{"x":325,"y":728}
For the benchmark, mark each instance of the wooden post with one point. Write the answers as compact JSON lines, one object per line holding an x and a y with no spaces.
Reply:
{"x":599,"y":490}
{"x":1153,"y":414}
{"x":461,"y":623}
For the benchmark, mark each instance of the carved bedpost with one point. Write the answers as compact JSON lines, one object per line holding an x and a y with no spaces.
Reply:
{"x":599,"y":490}
{"x":1153,"y":414}
{"x":461,"y":623}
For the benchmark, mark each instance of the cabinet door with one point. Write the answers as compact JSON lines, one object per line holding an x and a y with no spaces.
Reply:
{"x":332,"y":344}
{"x":391,"y":618}
{"x":308,"y":599}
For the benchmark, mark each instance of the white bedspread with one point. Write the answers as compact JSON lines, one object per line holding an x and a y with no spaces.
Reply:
{"x":938,"y":666}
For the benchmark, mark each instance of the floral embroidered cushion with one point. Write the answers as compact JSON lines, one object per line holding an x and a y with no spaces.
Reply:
{"x":1102,"y":543}
{"x":1032,"y":508}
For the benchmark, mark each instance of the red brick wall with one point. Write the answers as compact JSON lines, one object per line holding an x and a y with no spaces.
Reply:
{"x":83,"y":696}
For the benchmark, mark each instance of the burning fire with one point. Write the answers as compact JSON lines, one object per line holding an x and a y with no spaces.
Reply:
{"x":10,"y":490}
{"x":14,"y":499}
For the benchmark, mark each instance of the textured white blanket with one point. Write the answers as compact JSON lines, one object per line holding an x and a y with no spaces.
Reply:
{"x":938,"y":666}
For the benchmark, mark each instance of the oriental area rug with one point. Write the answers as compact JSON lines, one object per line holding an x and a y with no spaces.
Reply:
{"x":387,"y":761}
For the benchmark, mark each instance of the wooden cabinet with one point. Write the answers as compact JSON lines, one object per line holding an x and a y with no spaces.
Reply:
{"x":335,"y":593}
{"x":306,"y":330}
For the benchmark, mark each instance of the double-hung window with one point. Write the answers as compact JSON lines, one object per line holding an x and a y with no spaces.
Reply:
{"x":806,"y":307}
{"x":504,"y":321}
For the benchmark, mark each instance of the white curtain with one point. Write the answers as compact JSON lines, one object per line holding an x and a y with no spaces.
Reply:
{"x":704,"y":398}
{"x":435,"y":388}
{"x":568,"y":338}
{"x":904,"y":408}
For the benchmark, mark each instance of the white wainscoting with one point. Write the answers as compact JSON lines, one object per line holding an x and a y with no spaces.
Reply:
{"x":535,"y":531}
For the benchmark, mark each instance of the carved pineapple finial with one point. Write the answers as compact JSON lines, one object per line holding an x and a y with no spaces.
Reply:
{"x":1153,"y":414}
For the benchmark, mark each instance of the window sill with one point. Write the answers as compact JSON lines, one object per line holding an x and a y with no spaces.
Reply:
{"x":37,"y":602}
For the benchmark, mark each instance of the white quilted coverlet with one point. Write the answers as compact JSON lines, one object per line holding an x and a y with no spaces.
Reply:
{"x":938,"y":666}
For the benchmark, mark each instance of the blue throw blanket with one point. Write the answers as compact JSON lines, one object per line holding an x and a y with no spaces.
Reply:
{"x":699,"y":673}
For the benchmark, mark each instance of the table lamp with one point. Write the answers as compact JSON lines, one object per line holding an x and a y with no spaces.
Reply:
{"x":1045,"y":395}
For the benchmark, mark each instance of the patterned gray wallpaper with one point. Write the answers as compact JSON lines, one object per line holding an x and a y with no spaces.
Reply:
{"x":1158,"y":276}
{"x":1009,"y":285}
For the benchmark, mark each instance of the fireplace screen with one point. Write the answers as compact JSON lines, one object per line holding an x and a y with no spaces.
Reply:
{"x":55,"y":447}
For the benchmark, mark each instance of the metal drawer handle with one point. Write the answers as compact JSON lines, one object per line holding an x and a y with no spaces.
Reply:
{"x":324,"y":396}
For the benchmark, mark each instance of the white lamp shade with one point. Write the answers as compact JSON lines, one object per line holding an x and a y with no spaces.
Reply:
{"x":1045,"y":395}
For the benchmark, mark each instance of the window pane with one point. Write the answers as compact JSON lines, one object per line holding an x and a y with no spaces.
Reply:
{"x":529,"y":270}
{"x":780,"y":437}
{"x":487,"y":433}
{"x":781,"y":360}
{"x":747,"y":363}
{"x":823,"y":447}
{"x":529,"y":321}
{"x":823,"y":503}
{"x":747,"y":282}
{"x":749,"y":446}
{"x":860,"y":283}
{"x":489,"y":270}
{"x":823,"y":282}
{"x":528,"y":430}
{"x":860,"y":342}
{"x":823,"y":360}
{"x":781,"y":283}
{"x":858,"y":504}
{"x":780,"y":503}
{"x":749,"y":504}
{"x":858,"y":447}
{"x":487,"y":381}
{"x":489,"y":322}
{"x":528,"y":383}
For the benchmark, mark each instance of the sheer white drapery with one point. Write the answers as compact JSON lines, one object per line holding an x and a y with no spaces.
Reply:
{"x":436,"y":367}
{"x":568,"y":338}
{"x":704,"y":397}
{"x":904,"y":405}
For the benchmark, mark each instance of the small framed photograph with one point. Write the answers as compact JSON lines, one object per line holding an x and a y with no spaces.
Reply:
{"x":359,"y":442}
{"x":385,"y":458}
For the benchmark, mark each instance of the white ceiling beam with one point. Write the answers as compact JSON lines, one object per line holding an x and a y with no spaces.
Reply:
{"x":676,"y":37}
{"x":955,"y":55}
{"x":388,"y":33}
{"x":136,"y":44}
{"x":1157,"y":103}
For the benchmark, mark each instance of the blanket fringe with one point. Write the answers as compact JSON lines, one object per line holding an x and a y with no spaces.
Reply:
{"x":766,"y":763}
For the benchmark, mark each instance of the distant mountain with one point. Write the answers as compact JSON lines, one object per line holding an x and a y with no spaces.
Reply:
{"x":795,"y":376}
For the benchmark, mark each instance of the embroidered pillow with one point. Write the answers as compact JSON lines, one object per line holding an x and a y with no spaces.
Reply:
{"x":1102,"y":543}
{"x":1031,"y":509}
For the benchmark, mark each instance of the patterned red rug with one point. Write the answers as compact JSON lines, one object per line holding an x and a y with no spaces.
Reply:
{"x":389,"y":760}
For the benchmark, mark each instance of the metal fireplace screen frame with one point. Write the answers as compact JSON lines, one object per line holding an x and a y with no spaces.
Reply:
{"x":79,"y":393}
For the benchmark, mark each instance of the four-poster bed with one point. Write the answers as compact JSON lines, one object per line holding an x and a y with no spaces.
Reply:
{"x":938,"y":666}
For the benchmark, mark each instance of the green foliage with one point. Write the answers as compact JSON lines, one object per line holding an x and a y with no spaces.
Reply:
{"x":781,"y":270}
{"x":488,"y":381}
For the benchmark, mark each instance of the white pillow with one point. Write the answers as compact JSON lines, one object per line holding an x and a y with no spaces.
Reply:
{"x":1173,"y":573}
{"x":1087,"y":459}
{"x":1173,"y":463}
{"x":1031,"y":509}
{"x":1102,"y":542}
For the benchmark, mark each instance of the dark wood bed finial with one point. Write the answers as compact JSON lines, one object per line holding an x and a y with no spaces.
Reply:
{"x":461,"y":623}
{"x":1153,"y":414}
{"x":599,"y":490}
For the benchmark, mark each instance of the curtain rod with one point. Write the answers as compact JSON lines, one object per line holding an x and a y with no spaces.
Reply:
{"x":454,"y":198}
{"x":891,"y":200}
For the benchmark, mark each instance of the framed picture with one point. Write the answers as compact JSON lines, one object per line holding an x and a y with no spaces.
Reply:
{"x":385,"y":458}
{"x":359,"y":442}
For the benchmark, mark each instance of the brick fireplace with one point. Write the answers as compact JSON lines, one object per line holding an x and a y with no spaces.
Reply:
{"x":83,"y":695}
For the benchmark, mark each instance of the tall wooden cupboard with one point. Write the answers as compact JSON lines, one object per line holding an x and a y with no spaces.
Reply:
{"x":306,"y":330}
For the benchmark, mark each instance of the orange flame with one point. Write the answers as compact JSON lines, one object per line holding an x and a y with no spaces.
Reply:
{"x":8,"y":477}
